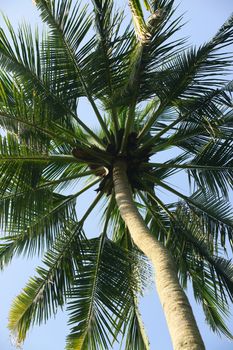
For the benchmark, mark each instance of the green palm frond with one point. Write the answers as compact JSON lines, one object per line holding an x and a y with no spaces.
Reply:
{"x":110,"y":57}
{"x":132,"y":329}
{"x":24,"y":165}
{"x":24,"y":51}
{"x":19,"y":113}
{"x":28,"y":115}
{"x":103,"y":299}
{"x":212,"y":276}
{"x":215,"y":310}
{"x":214,"y":211}
{"x":157,"y":216}
{"x":134,"y":334}
{"x":19,"y":170}
{"x":47,"y":291}
{"x":219,"y":154}
{"x":208,"y":176}
{"x":136,"y":338}
{"x":66,"y":23}
{"x":215,"y":214}
{"x":210,"y":169}
{"x":168,"y":168}
{"x":24,"y":61}
{"x":198,"y":65}
{"x":115,"y":226}
{"x":200,"y":237}
{"x":98,"y":296}
{"x":32,"y":214}
{"x":196,"y":120}
{"x":32,"y":221}
{"x":38,"y":79}
{"x":210,"y":106}
{"x":187,"y":75}
{"x":193,"y":244}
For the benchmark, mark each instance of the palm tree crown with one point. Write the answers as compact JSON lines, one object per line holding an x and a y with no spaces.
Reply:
{"x":149,"y":93}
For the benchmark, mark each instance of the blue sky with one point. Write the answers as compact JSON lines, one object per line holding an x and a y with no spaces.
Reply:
{"x":203,"y":19}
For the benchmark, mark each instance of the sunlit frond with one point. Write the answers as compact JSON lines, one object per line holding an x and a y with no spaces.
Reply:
{"x":48,"y":290}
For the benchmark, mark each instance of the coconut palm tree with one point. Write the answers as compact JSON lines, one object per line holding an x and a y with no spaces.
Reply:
{"x":148,"y":93}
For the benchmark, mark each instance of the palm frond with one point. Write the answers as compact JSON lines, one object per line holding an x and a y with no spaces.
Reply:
{"x":198,"y":65}
{"x":98,"y":296}
{"x":23,"y":59}
{"x":211,"y":275}
{"x":103,"y":299}
{"x":168,"y":168}
{"x":136,"y":338}
{"x":27,"y":114}
{"x":215,"y":212}
{"x":109,"y":59}
{"x":110,"y":42}
{"x":24,"y":165}
{"x":187,"y":75}
{"x":30,"y":63}
{"x":157,"y":215}
{"x":132,"y":329}
{"x":68,"y":26}
{"x":134,"y":334}
{"x":32,"y":220}
{"x":204,"y":117}
{"x":216,"y":153}
{"x":18,"y":167}
{"x":192,"y":243}
{"x":47,"y":291}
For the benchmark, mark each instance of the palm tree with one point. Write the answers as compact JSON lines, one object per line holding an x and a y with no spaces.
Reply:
{"x":148,"y":93}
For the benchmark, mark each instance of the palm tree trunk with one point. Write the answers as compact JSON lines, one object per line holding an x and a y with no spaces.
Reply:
{"x":178,"y":312}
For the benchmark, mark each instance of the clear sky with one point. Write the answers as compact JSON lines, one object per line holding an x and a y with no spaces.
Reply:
{"x":203,"y":18}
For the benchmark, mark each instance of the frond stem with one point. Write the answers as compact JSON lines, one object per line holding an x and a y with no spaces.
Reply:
{"x":188,"y":166}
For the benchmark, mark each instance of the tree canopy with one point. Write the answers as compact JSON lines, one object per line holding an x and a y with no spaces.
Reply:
{"x":149,"y":93}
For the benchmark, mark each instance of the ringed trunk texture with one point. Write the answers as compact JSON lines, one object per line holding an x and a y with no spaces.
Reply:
{"x":178,"y":312}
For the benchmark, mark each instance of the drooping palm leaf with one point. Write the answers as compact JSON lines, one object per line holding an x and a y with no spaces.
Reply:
{"x":103,"y":299}
{"x":98,"y":296}
{"x":131,"y":326}
{"x":216,"y":154}
{"x":135,"y":336}
{"x":48,"y":290}
{"x":192,"y":243}
{"x":211,"y":275}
